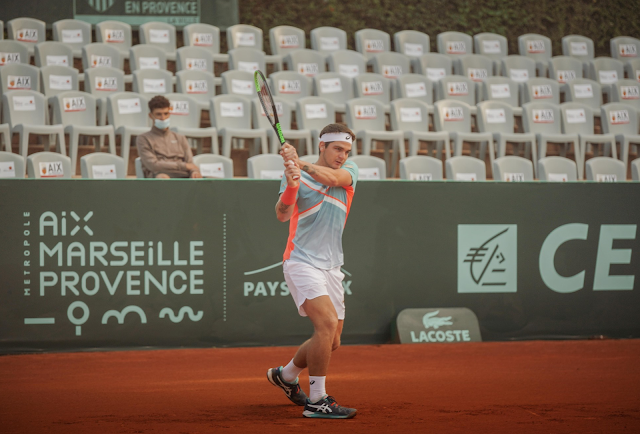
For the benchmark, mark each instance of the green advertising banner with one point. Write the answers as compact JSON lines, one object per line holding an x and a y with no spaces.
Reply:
{"x":146,"y":263}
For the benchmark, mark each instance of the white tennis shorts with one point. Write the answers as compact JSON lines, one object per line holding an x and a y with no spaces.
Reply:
{"x":307,"y":282}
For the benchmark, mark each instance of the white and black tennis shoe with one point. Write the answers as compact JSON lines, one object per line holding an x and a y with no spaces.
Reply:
{"x":328,"y":408}
{"x":292,"y":390}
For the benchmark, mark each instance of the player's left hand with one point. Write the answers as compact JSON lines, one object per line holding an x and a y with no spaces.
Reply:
{"x":289,"y":153}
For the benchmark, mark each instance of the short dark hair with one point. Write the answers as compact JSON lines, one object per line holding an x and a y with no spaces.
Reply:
{"x":158,"y":102}
{"x":337,"y":128}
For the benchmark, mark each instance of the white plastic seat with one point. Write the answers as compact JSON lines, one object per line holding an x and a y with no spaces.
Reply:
{"x":102,"y":82}
{"x":457,"y":88}
{"x":622,"y":121}
{"x":434,"y":65}
{"x":57,"y":79}
{"x":606,"y":71}
{"x":454,"y":44}
{"x":194,"y":58}
{"x":557,"y":169}
{"x":373,"y":86}
{"x":265,"y":166}
{"x":493,"y":46}
{"x":538,"y":48}
{"x":476,"y":67}
{"x":512,"y":169}
{"x":214,"y":166}
{"x":370,"y":42}
{"x":73,"y":33}
{"x":19,"y":76}
{"x":411,"y":43}
{"x":306,"y":62}
{"x":247,"y":59}
{"x":98,"y":55}
{"x":29,"y":31}
{"x":585,"y":91}
{"x":455,"y":117}
{"x":313,"y":114}
{"x":145,"y":56}
{"x":199,"y":85}
{"x":519,"y":69}
{"x":11,"y":165}
{"x":391,"y":65}
{"x":411,"y":116}
{"x":540,"y":89}
{"x":138,"y":166}
{"x":117,"y":34}
{"x":635,"y":169}
{"x":606,"y":169}
{"x":186,"y":113}
{"x":563,"y":69}
{"x":504,"y":90}
{"x":161,"y":35}
{"x":465,"y":168}
{"x":334,"y":87}
{"x":5,"y":135}
{"x":128,"y":112}
{"x":415,"y":86}
{"x":632,"y":69}
{"x":239,"y":83}
{"x":14,"y":52}
{"x":625,"y":48}
{"x":53,"y":53}
{"x":231,"y":116}
{"x":285,"y":40}
{"x":370,"y":168}
{"x":326,"y":40}
{"x":48,"y":165}
{"x":290,"y":85}
{"x":152,"y":82}
{"x":579,"y":47}
{"x":100,"y":165}
{"x":421,"y":168}
{"x":204,"y":36}
{"x":284,"y":109}
{"x":347,"y":62}
{"x":246,"y":36}
{"x":626,"y":92}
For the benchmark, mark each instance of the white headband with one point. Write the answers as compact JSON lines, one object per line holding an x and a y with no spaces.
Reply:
{"x":337,"y":137}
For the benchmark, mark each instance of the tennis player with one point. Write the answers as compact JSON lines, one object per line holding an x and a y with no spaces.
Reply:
{"x":315,"y":199}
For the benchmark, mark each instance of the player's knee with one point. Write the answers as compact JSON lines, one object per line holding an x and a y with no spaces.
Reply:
{"x":328,"y":327}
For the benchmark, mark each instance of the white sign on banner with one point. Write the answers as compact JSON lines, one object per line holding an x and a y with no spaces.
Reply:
{"x":315,"y":111}
{"x":114,"y":36}
{"x":466,"y":176}
{"x":435,"y":74}
{"x":415,"y":90}
{"x":129,"y":106}
{"x":149,"y":62}
{"x":212,"y":170}
{"x":495,"y":116}
{"x":456,"y":47}
{"x":491,"y":47}
{"x":410,"y":114}
{"x":392,"y":71}
{"x":453,"y":114}
{"x":349,"y":70}
{"x":248,"y":66}
{"x":368,"y":173}
{"x":52,"y":169}
{"x":72,"y":36}
{"x":279,"y":109}
{"x":558,"y":177}
{"x":7,"y":169}
{"x":583,"y":91}
{"x":477,"y":74}
{"x":197,"y":86}
{"x":104,"y":171}
{"x":24,"y":104}
{"x":75,"y":104}
{"x":543,"y":116}
{"x":26,"y":35}
{"x":619,"y":117}
{"x":179,"y":108}
{"x":536,"y":46}
{"x":605,"y":177}
{"x":421,"y":177}
{"x":329,"y":43}
{"x":579,"y":49}
{"x":271,"y":174}
{"x":153,"y":85}
{"x":289,"y":86}
{"x":157,"y":36}
{"x":97,"y":61}
{"x":202,"y":39}
{"x":242,"y":87}
{"x":519,"y":75}
{"x":289,"y":41}
{"x":628,"y":50}
{"x":57,"y":60}
{"x":365,"y":112}
{"x":608,"y":77}
{"x":8,"y":58}
{"x":60,"y":82}
{"x":513,"y":177}
{"x":308,"y":69}
{"x":630,"y":92}
{"x":576,"y":116}
{"x":500,"y":91}
{"x":245,"y":39}
{"x":231,"y":109}
{"x":415,"y":50}
{"x":542,"y":91}
{"x":372,"y":88}
{"x":331,"y":85}
{"x":108,"y":84}
{"x":373,"y":45}
{"x":565,"y":76}
{"x":457,"y":88}
{"x":18,"y":82}
{"x":197,"y":64}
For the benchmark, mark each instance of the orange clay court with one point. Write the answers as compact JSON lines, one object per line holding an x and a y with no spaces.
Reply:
{"x":500,"y":387}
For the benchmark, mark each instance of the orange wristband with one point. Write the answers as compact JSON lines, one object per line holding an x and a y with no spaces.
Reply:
{"x":289,"y":195}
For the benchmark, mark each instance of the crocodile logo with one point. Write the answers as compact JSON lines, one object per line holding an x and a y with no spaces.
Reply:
{"x":432,"y":319}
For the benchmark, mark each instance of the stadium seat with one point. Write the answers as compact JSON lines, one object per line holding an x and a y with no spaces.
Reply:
{"x":313,"y":114}
{"x":415,"y":86}
{"x":102,"y":82}
{"x":152,"y":82}
{"x":15,"y":170}
{"x":285,"y":40}
{"x":306,"y":62}
{"x":185,"y":119}
{"x":544,"y":120}
{"x":519,"y":69}
{"x":347,"y":62}
{"x":214,"y":166}
{"x":563,"y":69}
{"x":266,"y":166}
{"x":53,"y":53}
{"x":370,"y":42}
{"x":434,"y":65}
{"x":370,"y":168}
{"x":493,"y":46}
{"x":512,"y":169}
{"x":496,"y":117}
{"x":245,"y":36}
{"x":247,"y":59}
{"x":284,"y":110}
{"x":13,"y":52}
{"x":455,"y":117}
{"x":465,"y":168}
{"x":411,"y":43}
{"x":627,"y":92}
{"x":139,"y":171}
{"x":57,"y":79}
{"x":606,"y":71}
{"x":579,"y":47}
{"x":326,"y":40}
{"x":502,"y":89}
{"x":1,"y":30}
{"x":622,"y":121}
{"x":309,"y":158}
{"x":101,"y":165}
{"x":199,"y":85}
{"x":411,"y":116}
{"x":585,"y":91}
{"x":578,"y":119}
{"x":334,"y":87}
{"x":231,"y":116}
{"x":540,"y":89}
{"x":454,"y":44}
{"x":631,"y":68}
{"x":290,"y":85}
{"x":98,"y":55}
{"x":538,"y":48}
{"x":128,"y":112}
{"x":239,"y":83}
{"x":476,"y":67}
{"x":48,"y":165}
{"x":374,"y":86}
{"x":421,"y":168}
{"x":204,"y":36}
{"x":457,"y":88}
{"x":194,"y":58}
{"x":73,"y":33}
{"x":161,"y":35}
{"x":117,"y":34}
{"x":5,"y":135}
{"x":145,"y":56}
{"x":29,"y":31}
{"x":606,"y":169}
{"x":625,"y":48}
{"x":26,"y":113}
{"x":391,"y":65}
{"x":19,"y":76}
{"x":557,"y":169}
{"x":635,"y":169}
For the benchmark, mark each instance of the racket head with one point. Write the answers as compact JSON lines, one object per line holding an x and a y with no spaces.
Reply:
{"x":268,"y":105}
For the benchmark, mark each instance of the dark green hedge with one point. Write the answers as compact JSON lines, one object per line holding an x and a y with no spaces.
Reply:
{"x":599,"y":20}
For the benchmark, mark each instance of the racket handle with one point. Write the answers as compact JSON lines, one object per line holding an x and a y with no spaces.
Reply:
{"x":296,"y":177}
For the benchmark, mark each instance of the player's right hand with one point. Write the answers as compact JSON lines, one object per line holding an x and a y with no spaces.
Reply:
{"x":291,"y":171}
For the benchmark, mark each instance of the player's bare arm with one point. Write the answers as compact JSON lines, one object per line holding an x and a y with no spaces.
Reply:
{"x":327,"y":169}
{"x":284,"y":207}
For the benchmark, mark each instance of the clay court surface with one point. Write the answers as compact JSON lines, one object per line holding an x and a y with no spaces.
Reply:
{"x":506,"y":387}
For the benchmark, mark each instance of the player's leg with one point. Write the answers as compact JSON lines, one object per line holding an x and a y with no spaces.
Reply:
{"x":299,"y":361}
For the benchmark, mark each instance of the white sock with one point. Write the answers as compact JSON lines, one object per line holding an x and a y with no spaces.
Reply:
{"x":291,"y":372}
{"x":317,"y":389}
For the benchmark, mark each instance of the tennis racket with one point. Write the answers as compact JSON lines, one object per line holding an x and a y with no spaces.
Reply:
{"x":268,"y":105}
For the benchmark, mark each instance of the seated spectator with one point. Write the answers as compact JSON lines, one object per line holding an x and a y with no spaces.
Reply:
{"x":164,"y":153}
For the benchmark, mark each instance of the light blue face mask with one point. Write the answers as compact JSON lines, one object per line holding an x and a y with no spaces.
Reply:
{"x":161,"y":124}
